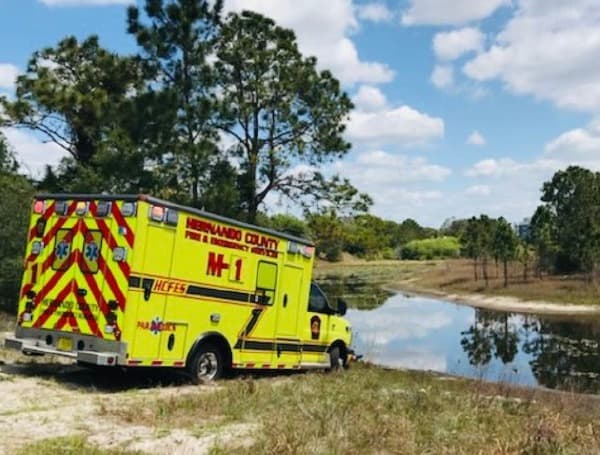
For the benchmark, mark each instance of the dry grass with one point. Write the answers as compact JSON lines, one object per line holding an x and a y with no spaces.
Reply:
{"x":458,"y":276}
{"x":371,"y":410}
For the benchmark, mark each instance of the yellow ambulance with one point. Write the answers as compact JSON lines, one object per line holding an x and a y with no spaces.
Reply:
{"x":135,"y":281}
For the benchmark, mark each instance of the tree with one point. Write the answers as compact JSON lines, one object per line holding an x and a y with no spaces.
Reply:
{"x":327,"y":233}
{"x":78,"y":95}
{"x":543,"y":237}
{"x":573,"y":200}
{"x":177,"y":45}
{"x":504,"y":244}
{"x":284,"y":116}
{"x":14,"y":212}
{"x":472,"y":243}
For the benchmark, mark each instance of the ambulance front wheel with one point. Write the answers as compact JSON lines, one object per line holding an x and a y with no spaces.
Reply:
{"x":206,"y":364}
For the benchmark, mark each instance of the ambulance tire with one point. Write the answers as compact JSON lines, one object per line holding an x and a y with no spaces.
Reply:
{"x":207,"y":364}
{"x":335,"y":359}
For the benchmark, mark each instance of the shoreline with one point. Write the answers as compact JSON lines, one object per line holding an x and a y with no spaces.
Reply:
{"x":503,"y":303}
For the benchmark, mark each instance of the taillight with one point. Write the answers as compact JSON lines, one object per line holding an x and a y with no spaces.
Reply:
{"x":40,"y":227}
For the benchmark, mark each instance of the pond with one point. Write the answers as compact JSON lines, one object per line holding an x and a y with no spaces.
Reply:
{"x":427,"y":334}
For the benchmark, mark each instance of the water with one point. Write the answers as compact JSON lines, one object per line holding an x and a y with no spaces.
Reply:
{"x":426,"y":334}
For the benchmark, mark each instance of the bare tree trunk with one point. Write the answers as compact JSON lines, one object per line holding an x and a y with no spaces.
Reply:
{"x":475,"y":269}
{"x":485,"y":271}
{"x":505,"y":273}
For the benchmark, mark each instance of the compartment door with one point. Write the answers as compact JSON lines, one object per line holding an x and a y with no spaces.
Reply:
{"x":288,"y":306}
{"x":151,"y":301}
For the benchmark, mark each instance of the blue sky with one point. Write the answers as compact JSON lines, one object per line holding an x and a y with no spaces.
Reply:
{"x":462,"y":107}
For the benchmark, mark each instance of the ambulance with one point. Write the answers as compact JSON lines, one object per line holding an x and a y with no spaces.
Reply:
{"x":135,"y":281}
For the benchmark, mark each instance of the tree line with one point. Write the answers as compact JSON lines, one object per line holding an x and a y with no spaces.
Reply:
{"x":212,"y":111}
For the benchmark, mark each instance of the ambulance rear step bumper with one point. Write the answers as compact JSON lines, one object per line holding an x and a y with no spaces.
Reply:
{"x":32,"y":346}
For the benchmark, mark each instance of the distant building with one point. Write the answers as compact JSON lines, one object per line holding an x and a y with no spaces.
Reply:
{"x":523,"y":229}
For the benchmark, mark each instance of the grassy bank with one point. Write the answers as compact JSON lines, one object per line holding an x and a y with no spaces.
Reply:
{"x":371,"y":410}
{"x":456,"y":276}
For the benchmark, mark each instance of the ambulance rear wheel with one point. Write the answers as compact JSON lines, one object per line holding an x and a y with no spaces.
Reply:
{"x":336,"y":362}
{"x":206,"y":364}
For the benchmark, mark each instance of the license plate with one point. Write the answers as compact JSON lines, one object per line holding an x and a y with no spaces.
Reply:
{"x":64,"y":344}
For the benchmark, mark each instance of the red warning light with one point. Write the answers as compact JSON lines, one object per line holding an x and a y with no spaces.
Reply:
{"x":39,"y":207}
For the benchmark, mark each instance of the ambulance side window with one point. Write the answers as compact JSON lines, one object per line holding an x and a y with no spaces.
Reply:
{"x":317,"y":302}
{"x":266,"y":282}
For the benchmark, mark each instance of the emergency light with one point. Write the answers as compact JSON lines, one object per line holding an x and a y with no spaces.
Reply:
{"x":61,"y":207}
{"x":172,"y":217}
{"x":39,"y":207}
{"x":128,"y":209}
{"x":81,"y":208}
{"x":157,"y":213}
{"x":103,"y":209}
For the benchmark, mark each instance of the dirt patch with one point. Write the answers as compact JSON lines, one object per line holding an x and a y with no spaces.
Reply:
{"x":508,"y":304}
{"x":47,"y":400}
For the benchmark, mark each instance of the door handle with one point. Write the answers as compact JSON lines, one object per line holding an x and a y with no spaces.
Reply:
{"x":285,"y":299}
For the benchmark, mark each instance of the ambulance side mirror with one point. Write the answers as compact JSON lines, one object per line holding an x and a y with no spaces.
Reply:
{"x":342,"y":306}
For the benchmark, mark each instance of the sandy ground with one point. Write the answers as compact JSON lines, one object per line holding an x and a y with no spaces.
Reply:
{"x":510,"y":304}
{"x":46,"y":397}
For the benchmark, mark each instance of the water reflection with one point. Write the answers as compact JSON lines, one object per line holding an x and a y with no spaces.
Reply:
{"x":428,"y":334}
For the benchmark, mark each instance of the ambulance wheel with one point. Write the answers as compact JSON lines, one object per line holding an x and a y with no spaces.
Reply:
{"x":206,"y":364}
{"x":335,"y":359}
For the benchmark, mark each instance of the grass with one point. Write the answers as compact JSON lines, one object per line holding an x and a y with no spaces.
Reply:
{"x":69,"y":445}
{"x":456,"y":276}
{"x":372,"y":410}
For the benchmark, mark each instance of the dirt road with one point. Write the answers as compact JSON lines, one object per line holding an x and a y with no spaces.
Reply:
{"x":46,"y":397}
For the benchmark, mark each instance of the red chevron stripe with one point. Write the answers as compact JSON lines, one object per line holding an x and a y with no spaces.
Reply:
{"x":112,"y":243}
{"x":112,"y":283}
{"x":116,"y":212}
{"x":67,"y":317}
{"x":89,"y":317}
{"x":55,"y":278}
{"x":101,"y":301}
{"x":55,"y":303}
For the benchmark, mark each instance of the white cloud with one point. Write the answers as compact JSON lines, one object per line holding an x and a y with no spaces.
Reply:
{"x":8,"y":75}
{"x":478,"y":190}
{"x":452,"y":45}
{"x":33,"y":154}
{"x":375,"y":12}
{"x":401,"y":186}
{"x":444,"y":12}
{"x":380,"y":168}
{"x":549,"y":49}
{"x":369,"y":99}
{"x":400,"y":126}
{"x":577,"y":143}
{"x":492,"y":167}
{"x":475,"y":138}
{"x":323,"y":32}
{"x":442,"y":76}
{"x":85,"y":2}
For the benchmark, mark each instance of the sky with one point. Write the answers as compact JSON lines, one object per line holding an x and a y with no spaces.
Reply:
{"x":462,"y":107}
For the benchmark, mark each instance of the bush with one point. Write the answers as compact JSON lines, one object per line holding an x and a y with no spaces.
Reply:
{"x":427,"y":249}
{"x":14,"y":212}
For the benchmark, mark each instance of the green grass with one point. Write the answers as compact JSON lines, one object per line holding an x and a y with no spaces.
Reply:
{"x":70,"y":445}
{"x":372,"y":410}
